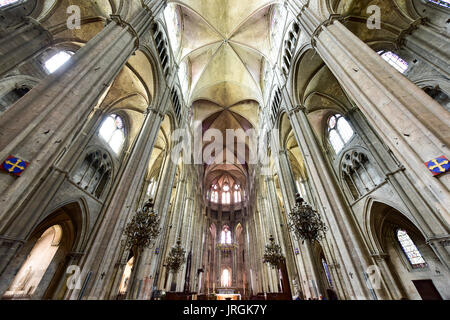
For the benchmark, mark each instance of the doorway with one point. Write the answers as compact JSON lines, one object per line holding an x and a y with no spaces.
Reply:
{"x":427,"y":290}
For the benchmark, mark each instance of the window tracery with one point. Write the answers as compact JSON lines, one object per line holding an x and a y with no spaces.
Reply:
{"x":339,"y":132}
{"x":409,"y":248}
{"x":94,"y":173}
{"x":113,"y":133}
{"x":358,"y":174}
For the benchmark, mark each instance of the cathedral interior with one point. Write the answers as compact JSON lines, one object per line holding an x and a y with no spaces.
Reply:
{"x":224,"y":150}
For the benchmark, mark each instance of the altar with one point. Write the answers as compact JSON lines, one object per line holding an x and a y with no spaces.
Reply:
{"x":234,"y":296}
{"x":228,"y":294}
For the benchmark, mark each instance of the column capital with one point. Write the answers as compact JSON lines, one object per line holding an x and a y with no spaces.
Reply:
{"x":380,"y":256}
{"x":331,"y":19}
{"x":296,"y":109}
{"x":158,"y":6}
{"x":443,"y":240}
{"x":351,"y":111}
{"x":156,"y":111}
{"x":12,"y":240}
{"x":37,"y":25}
{"x":118,"y":19}
{"x":401,"y":40}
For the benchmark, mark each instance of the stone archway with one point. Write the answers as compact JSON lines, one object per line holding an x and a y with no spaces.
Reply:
{"x":38,"y":270}
{"x":396,"y":258}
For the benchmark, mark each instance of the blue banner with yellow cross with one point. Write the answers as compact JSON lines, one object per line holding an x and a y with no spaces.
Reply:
{"x":14,"y":165}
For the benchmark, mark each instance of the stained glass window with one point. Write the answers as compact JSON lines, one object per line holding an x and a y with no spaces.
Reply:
{"x":237,"y":197}
{"x":226,"y":197}
{"x":214,"y":193}
{"x":4,"y":3}
{"x":442,"y":3}
{"x":112,"y":131}
{"x":237,"y":194}
{"x":56,"y":61}
{"x":409,"y":248}
{"x":225,"y":236}
{"x":327,"y":272}
{"x":151,"y":187}
{"x":394,"y":60}
{"x":226,"y":278}
{"x":339,"y":132}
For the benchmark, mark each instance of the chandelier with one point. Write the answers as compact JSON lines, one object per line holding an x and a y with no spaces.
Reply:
{"x":143,"y":227}
{"x":305,"y":222}
{"x":272,"y":254}
{"x":176,"y":257}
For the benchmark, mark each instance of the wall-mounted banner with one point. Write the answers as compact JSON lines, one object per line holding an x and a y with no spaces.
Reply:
{"x":14,"y":165}
{"x":438,"y":165}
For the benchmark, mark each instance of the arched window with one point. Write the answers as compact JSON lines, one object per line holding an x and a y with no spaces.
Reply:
{"x":409,"y":248}
{"x":237,"y":194}
{"x":151,"y":187}
{"x":339,"y":132}
{"x":439,"y":96}
{"x":57,"y":60}
{"x":327,"y":272}
{"x":32,"y":271}
{"x":126,"y":276}
{"x":215,"y":197}
{"x":226,"y":278}
{"x":226,"y":195}
{"x":94,"y":173}
{"x":12,"y":97}
{"x":214,"y":193}
{"x":226,"y":236}
{"x":394,"y":60}
{"x":112,"y":131}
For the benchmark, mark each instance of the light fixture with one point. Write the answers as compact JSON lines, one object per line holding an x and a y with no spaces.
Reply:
{"x":143,"y":227}
{"x":305,"y":222}
{"x":272,"y":254}
{"x":176,"y":257}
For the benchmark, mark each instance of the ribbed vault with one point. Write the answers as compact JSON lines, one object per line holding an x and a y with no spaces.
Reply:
{"x":225,"y":50}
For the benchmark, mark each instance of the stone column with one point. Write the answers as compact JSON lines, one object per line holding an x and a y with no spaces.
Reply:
{"x":41,"y":125}
{"x":149,"y":264}
{"x":280,"y":224}
{"x":41,"y":198}
{"x":185,"y":232}
{"x":412,"y":124}
{"x":305,"y":259}
{"x":262,"y":235}
{"x":21,"y":43}
{"x":105,"y":246}
{"x":430,"y":224}
{"x":428,"y":44}
{"x":393,"y":284}
{"x":287,"y":177}
{"x":351,"y":251}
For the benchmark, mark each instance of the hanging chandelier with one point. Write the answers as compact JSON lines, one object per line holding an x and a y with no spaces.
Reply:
{"x":143,"y":227}
{"x":272,"y":254}
{"x":305,"y":222}
{"x":176,"y":257}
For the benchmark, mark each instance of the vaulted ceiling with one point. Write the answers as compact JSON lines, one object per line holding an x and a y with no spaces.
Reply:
{"x":226,"y":52}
